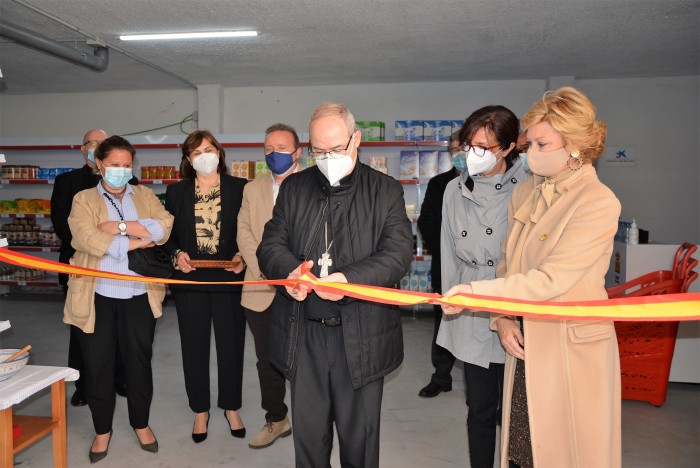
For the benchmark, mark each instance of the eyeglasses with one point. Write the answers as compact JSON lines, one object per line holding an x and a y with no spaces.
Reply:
{"x":478,"y":150}
{"x":91,"y":144}
{"x":321,"y":155}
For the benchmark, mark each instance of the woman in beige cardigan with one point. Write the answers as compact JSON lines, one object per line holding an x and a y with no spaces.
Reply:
{"x":106,"y":222}
{"x":562,"y":379}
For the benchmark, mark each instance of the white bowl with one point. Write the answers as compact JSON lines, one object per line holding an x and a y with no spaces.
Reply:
{"x":7,"y":369}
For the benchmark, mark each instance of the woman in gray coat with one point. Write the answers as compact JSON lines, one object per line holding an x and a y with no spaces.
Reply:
{"x":474,"y":226}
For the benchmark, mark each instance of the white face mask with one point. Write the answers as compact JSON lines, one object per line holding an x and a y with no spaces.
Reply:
{"x":480,"y":164}
{"x":335,"y":168}
{"x":336,"y":165}
{"x":206,"y":163}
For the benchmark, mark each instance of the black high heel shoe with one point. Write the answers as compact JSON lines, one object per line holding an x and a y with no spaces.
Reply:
{"x":238,"y":433}
{"x":201,"y":437}
{"x":152,"y":447}
{"x":97,"y":456}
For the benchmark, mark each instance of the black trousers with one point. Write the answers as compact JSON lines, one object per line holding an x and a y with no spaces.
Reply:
{"x":75,"y":356}
{"x":322,"y":394}
{"x":272,"y":382}
{"x":442,"y":359}
{"x":131,"y":323}
{"x":196,"y":311}
{"x":484,"y":391}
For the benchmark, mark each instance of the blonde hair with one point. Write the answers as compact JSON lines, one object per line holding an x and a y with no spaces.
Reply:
{"x":337,"y":110}
{"x":571,"y":114}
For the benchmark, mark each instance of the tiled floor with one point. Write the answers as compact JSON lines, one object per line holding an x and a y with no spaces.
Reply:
{"x":416,"y":432}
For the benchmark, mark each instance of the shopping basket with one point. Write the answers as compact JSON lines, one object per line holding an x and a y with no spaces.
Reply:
{"x":646,"y":348}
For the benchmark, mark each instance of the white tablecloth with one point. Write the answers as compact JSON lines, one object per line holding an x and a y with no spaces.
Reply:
{"x":29,"y":380}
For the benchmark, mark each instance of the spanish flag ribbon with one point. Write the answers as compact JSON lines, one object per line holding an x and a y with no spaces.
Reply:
{"x":668,"y":307}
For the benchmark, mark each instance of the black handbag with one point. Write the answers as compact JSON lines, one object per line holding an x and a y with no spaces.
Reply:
{"x":152,"y":261}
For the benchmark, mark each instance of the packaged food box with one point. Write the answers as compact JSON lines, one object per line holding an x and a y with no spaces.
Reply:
{"x":428,"y":164}
{"x":244,"y":169}
{"x":444,"y":162}
{"x":405,"y":282}
{"x":409,"y":166}
{"x":422,"y":281}
{"x":371,"y":130}
{"x":408,"y":130}
{"x":378,"y":163}
{"x":261,"y":169}
{"x":457,"y":125}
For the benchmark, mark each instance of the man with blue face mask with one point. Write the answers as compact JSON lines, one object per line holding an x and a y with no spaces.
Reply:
{"x":282,"y":150}
{"x":66,"y":187}
{"x":429,"y":224}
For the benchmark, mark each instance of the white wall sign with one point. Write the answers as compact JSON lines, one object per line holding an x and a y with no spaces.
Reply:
{"x":620,"y":156}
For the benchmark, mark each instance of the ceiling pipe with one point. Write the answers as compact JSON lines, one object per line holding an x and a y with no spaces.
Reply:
{"x":97,"y":62}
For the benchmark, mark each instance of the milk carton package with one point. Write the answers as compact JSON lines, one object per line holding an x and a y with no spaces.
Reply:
{"x":457,"y":125}
{"x":405,"y":282}
{"x":415,"y":280}
{"x":444,"y":162}
{"x":409,"y":165}
{"x":371,"y":131}
{"x":408,"y":130}
{"x":422,"y":281}
{"x":428,"y":162}
{"x":437,"y":130}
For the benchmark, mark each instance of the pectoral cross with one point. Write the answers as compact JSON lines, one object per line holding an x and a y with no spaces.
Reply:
{"x":324,"y":262}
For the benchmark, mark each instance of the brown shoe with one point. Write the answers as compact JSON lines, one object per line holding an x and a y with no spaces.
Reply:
{"x":270,"y":433}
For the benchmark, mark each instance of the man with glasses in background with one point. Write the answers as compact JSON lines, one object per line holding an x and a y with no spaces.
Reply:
{"x":282,"y":150}
{"x":66,"y":187}
{"x":343,"y":222}
{"x":429,"y":224}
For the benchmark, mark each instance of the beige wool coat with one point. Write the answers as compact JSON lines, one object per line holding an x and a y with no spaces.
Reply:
{"x":89,"y":210}
{"x":256,"y":210}
{"x":572,"y":367}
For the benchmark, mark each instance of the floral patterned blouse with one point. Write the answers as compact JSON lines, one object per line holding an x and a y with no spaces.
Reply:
{"x":207,"y":218}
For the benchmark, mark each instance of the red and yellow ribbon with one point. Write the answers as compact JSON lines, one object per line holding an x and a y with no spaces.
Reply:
{"x":669,"y":307}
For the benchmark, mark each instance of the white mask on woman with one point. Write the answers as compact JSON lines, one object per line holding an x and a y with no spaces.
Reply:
{"x":547,"y":164}
{"x":206,"y":163}
{"x":480,"y":164}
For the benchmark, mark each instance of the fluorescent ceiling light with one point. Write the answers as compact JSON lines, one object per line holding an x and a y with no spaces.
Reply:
{"x":195,"y":35}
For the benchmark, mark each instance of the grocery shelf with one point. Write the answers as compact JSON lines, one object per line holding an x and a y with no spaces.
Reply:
{"x":225,"y":145}
{"x":25,"y":215}
{"x":40,"y":283}
{"x":158,"y":181}
{"x":26,"y":181}
{"x":33,"y":248}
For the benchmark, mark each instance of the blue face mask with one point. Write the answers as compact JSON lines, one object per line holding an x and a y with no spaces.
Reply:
{"x":523,"y":161}
{"x":117,"y":177}
{"x":91,"y":156}
{"x":278,"y":162}
{"x":459,"y":160}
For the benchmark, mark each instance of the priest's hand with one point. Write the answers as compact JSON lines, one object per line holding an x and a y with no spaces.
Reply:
{"x":299,"y":292}
{"x":336,"y":277}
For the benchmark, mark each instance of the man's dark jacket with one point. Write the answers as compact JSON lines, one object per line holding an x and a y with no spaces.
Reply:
{"x":66,"y":186}
{"x":372,"y":244}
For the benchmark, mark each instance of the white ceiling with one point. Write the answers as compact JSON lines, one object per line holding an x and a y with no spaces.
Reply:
{"x":323,"y":42}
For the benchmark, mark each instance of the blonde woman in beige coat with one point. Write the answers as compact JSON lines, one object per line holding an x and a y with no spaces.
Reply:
{"x":562,"y":379}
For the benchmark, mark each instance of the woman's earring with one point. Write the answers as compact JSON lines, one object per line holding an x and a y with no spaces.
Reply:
{"x":575,"y":157}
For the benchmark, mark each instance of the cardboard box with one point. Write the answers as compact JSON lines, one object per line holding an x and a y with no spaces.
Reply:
{"x":457,"y":125}
{"x":410,"y":165}
{"x":444,"y":162}
{"x":428,"y":167}
{"x":261,"y":169}
{"x":408,"y":130}
{"x":244,"y":169}
{"x":371,"y":130}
